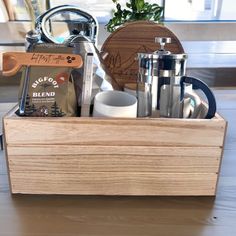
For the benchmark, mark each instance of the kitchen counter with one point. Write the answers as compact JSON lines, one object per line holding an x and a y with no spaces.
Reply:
{"x":212,"y":61}
{"x":38,"y":215}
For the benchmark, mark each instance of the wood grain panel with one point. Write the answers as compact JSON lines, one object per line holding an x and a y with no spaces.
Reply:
{"x":101,"y":183}
{"x":127,"y":41}
{"x":52,"y":150}
{"x":86,"y":161}
{"x":110,"y":132}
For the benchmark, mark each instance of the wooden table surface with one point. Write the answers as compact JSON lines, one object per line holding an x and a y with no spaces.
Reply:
{"x":27,"y":215}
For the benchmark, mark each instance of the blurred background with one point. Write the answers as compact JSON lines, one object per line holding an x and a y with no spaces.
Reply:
{"x":206,"y":29}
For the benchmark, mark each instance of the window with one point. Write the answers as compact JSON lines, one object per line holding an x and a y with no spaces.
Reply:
{"x":101,"y":9}
{"x":175,"y":10}
{"x":200,"y":10}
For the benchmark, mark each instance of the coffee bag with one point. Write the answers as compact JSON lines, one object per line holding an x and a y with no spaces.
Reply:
{"x":50,"y":90}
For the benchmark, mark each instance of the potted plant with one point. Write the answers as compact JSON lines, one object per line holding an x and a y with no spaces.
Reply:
{"x":135,"y":10}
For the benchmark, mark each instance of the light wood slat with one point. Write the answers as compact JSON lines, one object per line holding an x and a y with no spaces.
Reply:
{"x":114,"y":183}
{"x":123,"y":158}
{"x":109,"y":132}
{"x":114,"y":163}
{"x":52,"y":150}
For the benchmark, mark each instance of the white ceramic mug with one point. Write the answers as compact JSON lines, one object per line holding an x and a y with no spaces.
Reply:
{"x":115,"y":104}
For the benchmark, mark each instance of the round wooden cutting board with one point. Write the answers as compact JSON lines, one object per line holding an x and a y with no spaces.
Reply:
{"x":123,"y":45}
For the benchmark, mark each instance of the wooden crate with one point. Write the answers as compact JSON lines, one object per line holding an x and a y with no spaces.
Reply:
{"x":114,"y":156}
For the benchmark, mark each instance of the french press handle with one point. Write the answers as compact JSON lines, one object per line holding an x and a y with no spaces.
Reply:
{"x":198,"y":84}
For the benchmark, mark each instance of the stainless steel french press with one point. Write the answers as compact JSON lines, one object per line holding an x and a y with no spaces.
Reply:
{"x":163,"y":85}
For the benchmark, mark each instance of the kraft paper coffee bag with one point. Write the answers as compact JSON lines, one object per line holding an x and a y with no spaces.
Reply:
{"x":51,"y":90}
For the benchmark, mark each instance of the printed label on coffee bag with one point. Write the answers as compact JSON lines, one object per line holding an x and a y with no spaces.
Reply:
{"x":46,"y":93}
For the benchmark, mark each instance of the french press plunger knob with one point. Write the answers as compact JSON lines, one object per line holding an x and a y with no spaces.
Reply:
{"x":162,"y":41}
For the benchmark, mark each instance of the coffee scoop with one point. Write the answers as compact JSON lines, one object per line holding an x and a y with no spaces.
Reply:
{"x":13,"y":61}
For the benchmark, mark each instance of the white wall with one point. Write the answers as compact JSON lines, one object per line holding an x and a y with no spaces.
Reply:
{"x":216,"y":31}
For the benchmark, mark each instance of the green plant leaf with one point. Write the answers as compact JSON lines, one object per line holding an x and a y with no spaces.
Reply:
{"x":128,"y":5}
{"x":139,"y":4}
{"x":137,"y":10}
{"x":133,"y":5}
